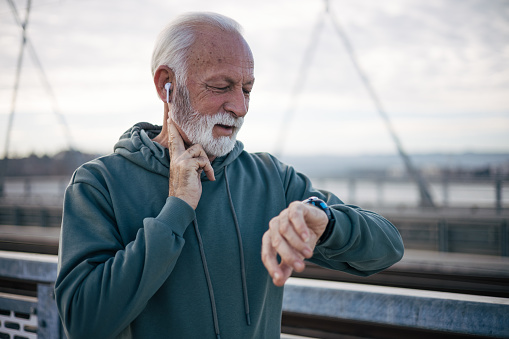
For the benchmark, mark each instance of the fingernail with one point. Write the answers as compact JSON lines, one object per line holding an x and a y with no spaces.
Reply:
{"x":277,"y":276}
{"x":299,"y":265}
{"x":308,"y":252}
{"x":305,"y":236}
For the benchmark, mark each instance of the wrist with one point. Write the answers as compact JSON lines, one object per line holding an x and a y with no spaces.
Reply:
{"x":330,"y":224}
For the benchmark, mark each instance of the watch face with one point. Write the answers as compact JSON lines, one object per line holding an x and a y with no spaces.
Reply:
{"x":320,"y":204}
{"x":316,"y":201}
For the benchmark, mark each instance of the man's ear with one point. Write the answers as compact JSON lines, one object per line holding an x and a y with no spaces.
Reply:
{"x":162,"y":76}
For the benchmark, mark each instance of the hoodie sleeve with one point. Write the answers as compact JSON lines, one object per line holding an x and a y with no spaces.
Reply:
{"x":361,"y":243}
{"x":103,"y":284}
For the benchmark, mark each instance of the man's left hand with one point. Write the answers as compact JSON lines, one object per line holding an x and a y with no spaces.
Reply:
{"x":293,"y":235}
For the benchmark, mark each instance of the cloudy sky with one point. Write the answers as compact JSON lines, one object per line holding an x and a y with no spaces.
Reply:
{"x":440,"y":69}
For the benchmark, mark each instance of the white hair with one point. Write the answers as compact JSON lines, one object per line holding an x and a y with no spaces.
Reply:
{"x":174,"y":41}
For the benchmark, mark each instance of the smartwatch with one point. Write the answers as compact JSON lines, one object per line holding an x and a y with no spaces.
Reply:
{"x":323,"y":206}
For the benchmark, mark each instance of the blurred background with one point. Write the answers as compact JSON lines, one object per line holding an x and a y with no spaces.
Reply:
{"x":399,"y":106}
{"x":438,"y":67}
{"x":343,"y":88}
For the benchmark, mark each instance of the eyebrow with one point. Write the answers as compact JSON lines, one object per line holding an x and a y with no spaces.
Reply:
{"x":229,"y":79}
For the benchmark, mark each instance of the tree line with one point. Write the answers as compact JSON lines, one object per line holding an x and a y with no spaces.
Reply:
{"x":62,"y":163}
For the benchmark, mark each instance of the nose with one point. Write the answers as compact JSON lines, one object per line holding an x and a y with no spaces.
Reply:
{"x":238,"y":103}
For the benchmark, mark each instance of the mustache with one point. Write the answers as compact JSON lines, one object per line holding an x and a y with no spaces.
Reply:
{"x":227,"y":120}
{"x":221,"y":118}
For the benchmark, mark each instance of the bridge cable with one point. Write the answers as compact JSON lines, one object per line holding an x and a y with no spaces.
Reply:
{"x":426,"y":199}
{"x":14,"y":94}
{"x":299,"y":85}
{"x":49,"y":91}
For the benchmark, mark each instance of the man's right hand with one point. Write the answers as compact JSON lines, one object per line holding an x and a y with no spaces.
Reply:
{"x":186,"y":167}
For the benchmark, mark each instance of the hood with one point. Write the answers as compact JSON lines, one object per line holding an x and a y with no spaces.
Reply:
{"x":136,"y":145}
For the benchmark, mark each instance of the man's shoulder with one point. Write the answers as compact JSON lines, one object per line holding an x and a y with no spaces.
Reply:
{"x":96,"y":169}
{"x":262,"y":160}
{"x":102,"y":161}
{"x":259,"y":157}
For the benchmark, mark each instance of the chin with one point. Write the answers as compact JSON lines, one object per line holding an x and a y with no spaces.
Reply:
{"x":220,"y":146}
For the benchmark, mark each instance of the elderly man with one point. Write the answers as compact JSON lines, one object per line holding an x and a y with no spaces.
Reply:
{"x":162,"y":238}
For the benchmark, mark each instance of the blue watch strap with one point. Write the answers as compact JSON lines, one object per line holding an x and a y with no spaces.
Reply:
{"x":315,"y":201}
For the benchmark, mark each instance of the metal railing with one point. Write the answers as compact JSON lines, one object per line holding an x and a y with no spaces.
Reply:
{"x":376,"y":190}
{"x":458,"y":231}
{"x":447,"y":191}
{"x":484,"y":234}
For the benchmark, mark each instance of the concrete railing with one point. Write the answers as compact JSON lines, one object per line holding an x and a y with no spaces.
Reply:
{"x":28,"y":316}
{"x":37,"y":317}
{"x":401,"y":307}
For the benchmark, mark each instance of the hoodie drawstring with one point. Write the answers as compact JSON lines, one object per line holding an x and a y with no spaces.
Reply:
{"x":241,"y":250}
{"x":207,"y":276}
{"x":242,"y":263}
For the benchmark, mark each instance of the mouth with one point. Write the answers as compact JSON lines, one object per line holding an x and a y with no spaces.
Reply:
{"x":224,"y":130}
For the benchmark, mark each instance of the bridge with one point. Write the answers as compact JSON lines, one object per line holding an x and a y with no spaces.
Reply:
{"x":453,"y":281}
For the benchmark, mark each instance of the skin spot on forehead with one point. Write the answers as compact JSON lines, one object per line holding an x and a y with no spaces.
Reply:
{"x":219,"y":51}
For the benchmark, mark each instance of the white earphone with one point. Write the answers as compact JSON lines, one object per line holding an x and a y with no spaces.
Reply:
{"x":167,"y":86}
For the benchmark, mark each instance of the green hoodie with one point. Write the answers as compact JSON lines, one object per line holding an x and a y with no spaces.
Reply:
{"x":135,"y":263}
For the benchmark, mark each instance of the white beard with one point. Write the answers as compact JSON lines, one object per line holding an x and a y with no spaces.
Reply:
{"x":198,"y":127}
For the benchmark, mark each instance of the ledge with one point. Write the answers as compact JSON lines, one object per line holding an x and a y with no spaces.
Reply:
{"x":438,"y":311}
{"x":28,"y":266}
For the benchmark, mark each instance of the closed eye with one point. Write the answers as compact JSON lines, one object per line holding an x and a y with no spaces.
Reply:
{"x":223,"y":89}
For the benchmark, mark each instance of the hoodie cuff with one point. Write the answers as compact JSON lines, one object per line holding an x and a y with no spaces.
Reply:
{"x":177,"y":214}
{"x":341,"y":231}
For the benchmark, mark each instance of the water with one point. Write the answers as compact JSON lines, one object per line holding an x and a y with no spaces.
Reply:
{"x":35,"y":190}
{"x":396,"y":193}
{"x":363,"y":192}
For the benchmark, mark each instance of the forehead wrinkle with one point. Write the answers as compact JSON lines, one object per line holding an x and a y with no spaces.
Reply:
{"x":233,"y":63}
{"x":230,"y":79}
{"x":234,"y":72}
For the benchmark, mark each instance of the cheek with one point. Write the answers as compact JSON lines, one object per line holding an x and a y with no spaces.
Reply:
{"x":209,"y":105}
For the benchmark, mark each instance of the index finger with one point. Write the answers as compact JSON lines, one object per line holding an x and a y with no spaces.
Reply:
{"x":279,"y":272}
{"x":175,"y":142}
{"x":205,"y":165}
{"x":296,"y":212}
